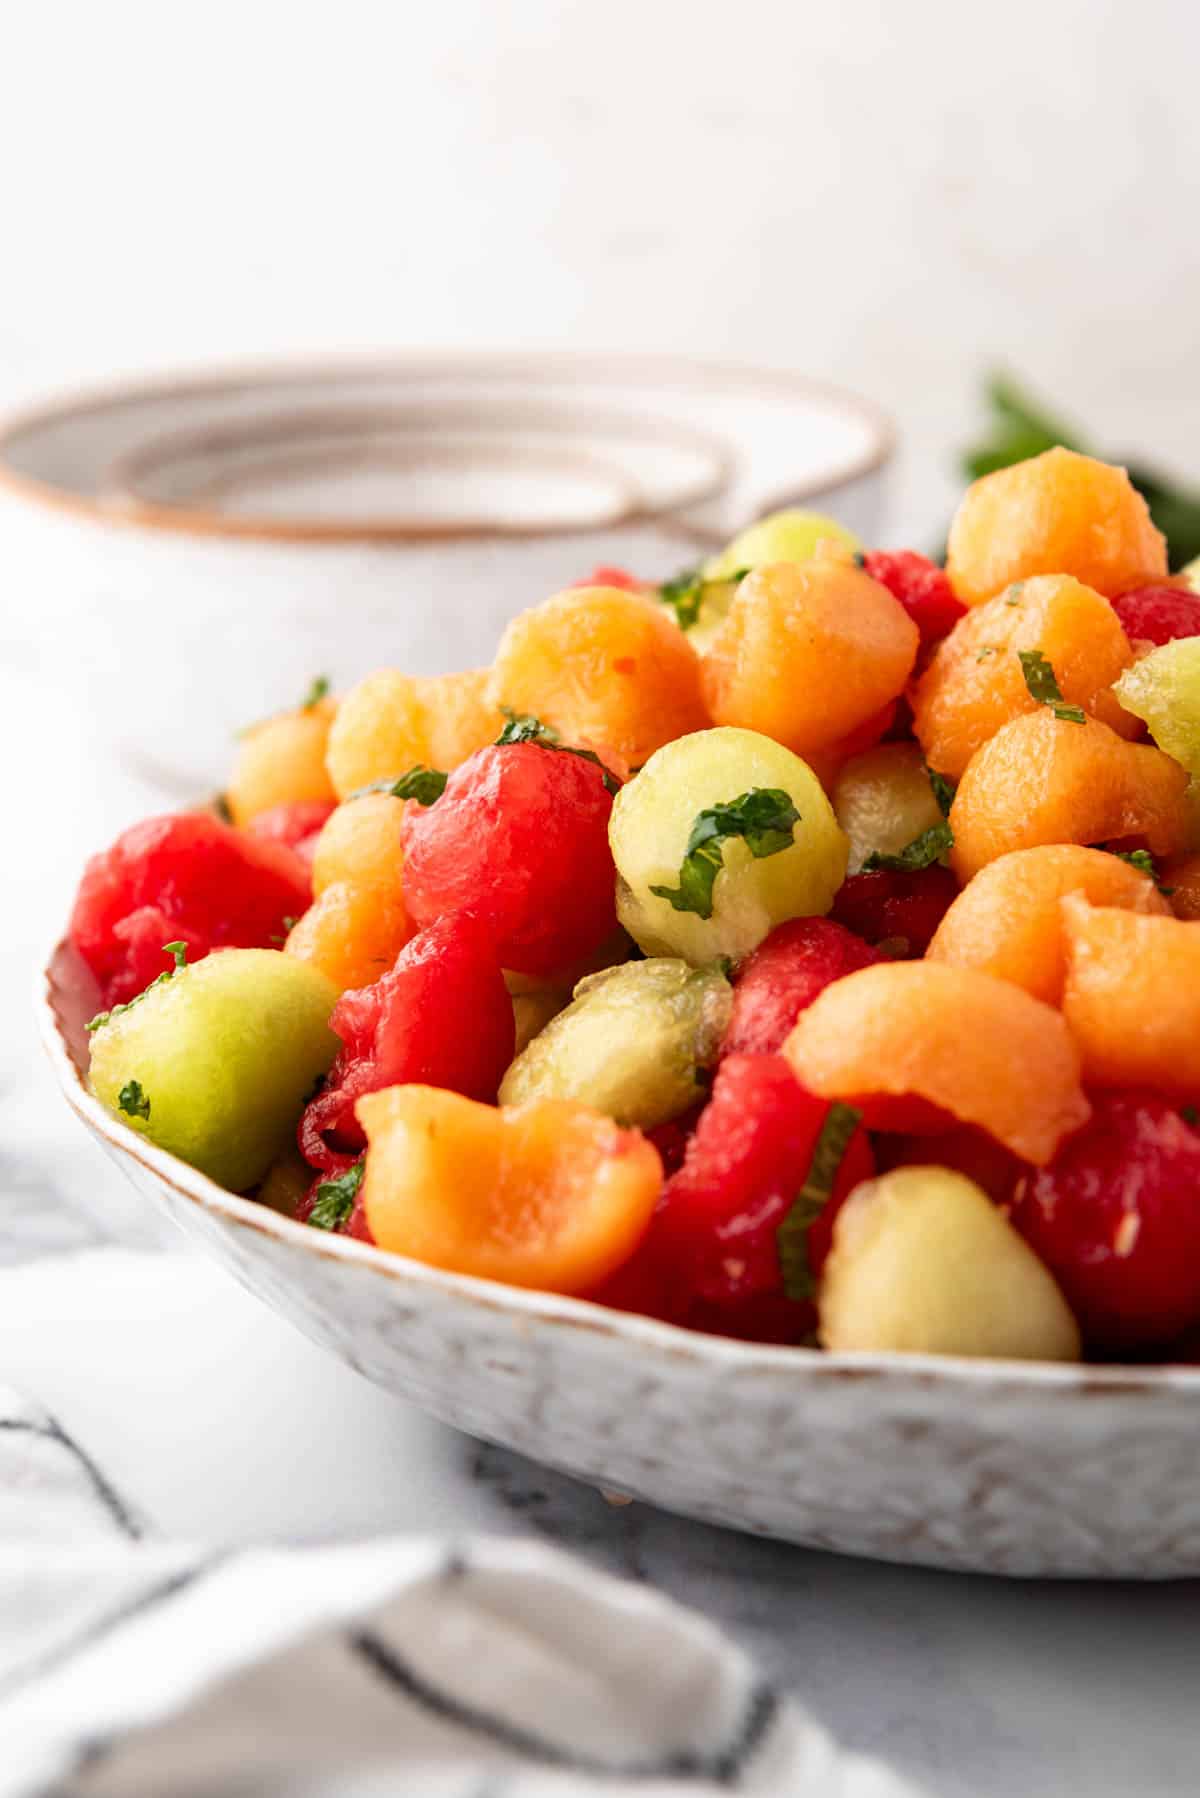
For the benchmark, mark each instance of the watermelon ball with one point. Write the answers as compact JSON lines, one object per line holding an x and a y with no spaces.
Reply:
{"x":1116,"y":1219}
{"x":922,"y":588}
{"x":1159,"y":613}
{"x":519,"y":837}
{"x":900,"y":909}
{"x":872,"y":730}
{"x":296,"y":823}
{"x":671,"y":1139}
{"x":711,"y":1257}
{"x":183,"y":878}
{"x":607,"y":576}
{"x":963,"y":1148}
{"x":783,"y":976}
{"x":441,"y":1016}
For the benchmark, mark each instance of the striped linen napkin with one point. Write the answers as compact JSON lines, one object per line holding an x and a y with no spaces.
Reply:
{"x":136,"y":1668}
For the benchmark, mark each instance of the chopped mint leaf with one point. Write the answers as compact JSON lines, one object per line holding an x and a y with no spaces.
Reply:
{"x":133,"y":1100}
{"x":611,"y":783}
{"x":1043,"y":686}
{"x":286,"y":925}
{"x":1143,"y":861}
{"x":685,"y":593}
{"x":1015,"y":594}
{"x":943,"y":790}
{"x":1138,"y":858}
{"x":528,"y":729}
{"x":177,"y":952}
{"x":792,"y":1234}
{"x":523,"y":727}
{"x":335,"y":1199}
{"x":764,"y":818}
{"x":425,"y":785}
{"x":317,"y":690}
{"x":989,"y":649}
{"x":931,"y":846}
{"x":1190,"y":1115}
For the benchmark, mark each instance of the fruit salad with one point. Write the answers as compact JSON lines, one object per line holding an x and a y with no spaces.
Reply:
{"x":804,"y":948}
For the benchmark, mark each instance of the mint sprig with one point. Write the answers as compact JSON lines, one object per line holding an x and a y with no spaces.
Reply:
{"x":685,"y":593}
{"x":764,"y":818}
{"x":943,"y":790}
{"x":1043,"y":686}
{"x":933,"y":845}
{"x":525,"y":728}
{"x":425,"y":785}
{"x":335,"y":1199}
{"x":791,"y":1236}
{"x":1019,"y":427}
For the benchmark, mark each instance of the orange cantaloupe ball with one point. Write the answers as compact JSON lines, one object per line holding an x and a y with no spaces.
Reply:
{"x":281,"y":762}
{"x":1181,"y":876}
{"x":975,"y":1046}
{"x":975,"y":682}
{"x":356,"y":925}
{"x":461,"y":717}
{"x":1132,"y":997}
{"x":1008,"y":922}
{"x":1041,"y":779}
{"x":349,"y":934}
{"x":603,"y":667}
{"x":550,"y":1195}
{"x":360,"y":845}
{"x":1057,"y":513}
{"x":391,"y":722}
{"x":807,"y":653}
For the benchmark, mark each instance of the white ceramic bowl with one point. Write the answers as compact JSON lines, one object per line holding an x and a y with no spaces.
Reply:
{"x":189,"y":553}
{"x":1000,"y":1467}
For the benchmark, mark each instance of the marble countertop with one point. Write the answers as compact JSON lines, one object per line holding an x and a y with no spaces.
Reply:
{"x":976,"y":1688}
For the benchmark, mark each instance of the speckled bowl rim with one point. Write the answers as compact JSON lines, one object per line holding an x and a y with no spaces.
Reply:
{"x":198,"y":521}
{"x":551,"y":1311}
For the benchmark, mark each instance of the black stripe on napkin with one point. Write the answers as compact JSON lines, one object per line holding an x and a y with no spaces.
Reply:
{"x":99,"y":1627}
{"x":50,"y":1430}
{"x":107,"y":1493}
{"x":722,"y":1768}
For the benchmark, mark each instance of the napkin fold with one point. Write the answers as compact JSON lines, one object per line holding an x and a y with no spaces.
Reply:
{"x":131,"y":1667}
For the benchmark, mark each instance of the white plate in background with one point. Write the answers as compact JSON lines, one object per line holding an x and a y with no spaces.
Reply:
{"x":185,"y":555}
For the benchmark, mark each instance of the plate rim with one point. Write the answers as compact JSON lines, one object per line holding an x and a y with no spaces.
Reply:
{"x":1067,"y":1380}
{"x":253,"y":373}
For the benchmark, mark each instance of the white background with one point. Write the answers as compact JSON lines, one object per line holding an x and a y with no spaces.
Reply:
{"x":892,"y":193}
